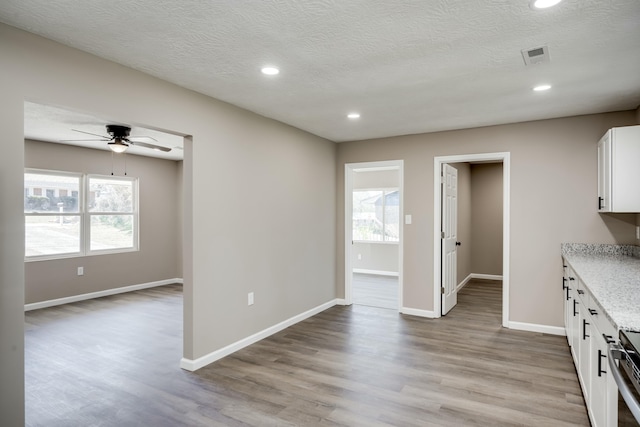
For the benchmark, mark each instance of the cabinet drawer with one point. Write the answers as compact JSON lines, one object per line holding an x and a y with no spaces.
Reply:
{"x":583,"y":294}
{"x":601,"y":321}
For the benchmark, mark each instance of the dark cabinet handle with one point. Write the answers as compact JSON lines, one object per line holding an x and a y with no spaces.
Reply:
{"x":600,"y":356}
{"x":580,"y":291}
{"x":575,"y":310}
{"x":600,"y":200}
{"x":572,"y":278}
{"x":584,"y":329}
{"x":458,"y":243}
{"x":593,"y":312}
{"x":608,"y":338}
{"x":564,"y":283}
{"x":568,"y":289}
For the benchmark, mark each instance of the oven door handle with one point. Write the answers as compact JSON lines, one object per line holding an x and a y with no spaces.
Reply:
{"x":614,"y":351}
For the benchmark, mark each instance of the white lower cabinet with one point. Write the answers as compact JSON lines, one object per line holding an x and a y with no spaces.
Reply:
{"x":604,"y":392}
{"x":584,"y":361}
{"x":588,"y":334}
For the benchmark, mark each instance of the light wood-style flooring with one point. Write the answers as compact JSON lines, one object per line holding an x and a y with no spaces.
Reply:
{"x":113,"y":361}
{"x":375,"y":290}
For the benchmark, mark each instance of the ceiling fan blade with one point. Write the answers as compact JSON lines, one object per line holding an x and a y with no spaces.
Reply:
{"x":136,"y":138}
{"x":89,"y":133}
{"x":152,"y":146}
{"x":83,"y":140}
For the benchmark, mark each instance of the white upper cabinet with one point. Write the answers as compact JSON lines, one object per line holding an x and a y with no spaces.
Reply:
{"x":619,"y":170}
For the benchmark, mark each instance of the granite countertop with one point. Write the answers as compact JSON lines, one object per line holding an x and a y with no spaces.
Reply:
{"x":612,"y":275}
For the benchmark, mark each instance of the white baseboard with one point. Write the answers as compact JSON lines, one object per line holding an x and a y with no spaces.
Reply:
{"x":477,"y":276}
{"x":106,"y":292}
{"x":193,"y":365}
{"x":377,"y":272}
{"x":532,"y":327}
{"x":417,"y":312}
{"x":341,"y":301}
{"x":485,"y":276}
{"x":463,"y":283}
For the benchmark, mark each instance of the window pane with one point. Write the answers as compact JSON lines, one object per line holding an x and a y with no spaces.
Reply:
{"x":367,"y":217}
{"x":50,"y":193}
{"x":111,"y":232}
{"x":392,"y":216}
{"x":110,"y":195}
{"x":52,"y":235}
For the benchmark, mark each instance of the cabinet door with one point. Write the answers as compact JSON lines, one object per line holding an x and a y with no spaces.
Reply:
{"x":569,"y":287}
{"x":604,"y":173}
{"x":574,"y":326}
{"x":584,"y":359}
{"x":604,"y":391}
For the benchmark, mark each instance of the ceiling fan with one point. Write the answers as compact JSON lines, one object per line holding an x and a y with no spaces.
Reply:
{"x":119,"y":141}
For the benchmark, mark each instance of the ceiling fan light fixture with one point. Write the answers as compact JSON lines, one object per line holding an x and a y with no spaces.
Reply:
{"x":118,"y":146}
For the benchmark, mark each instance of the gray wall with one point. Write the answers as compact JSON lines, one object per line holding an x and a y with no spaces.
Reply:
{"x":553,"y":186}
{"x":160,"y":203}
{"x":486,"y":220}
{"x":252,"y":188}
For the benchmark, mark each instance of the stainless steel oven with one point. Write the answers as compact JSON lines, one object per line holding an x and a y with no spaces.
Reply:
{"x":627,"y":376}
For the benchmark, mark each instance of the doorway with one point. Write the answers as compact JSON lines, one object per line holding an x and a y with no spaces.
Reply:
{"x":373,"y":234}
{"x":440,"y":272}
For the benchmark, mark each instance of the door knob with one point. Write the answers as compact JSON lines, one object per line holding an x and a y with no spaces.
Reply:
{"x":458,"y":243}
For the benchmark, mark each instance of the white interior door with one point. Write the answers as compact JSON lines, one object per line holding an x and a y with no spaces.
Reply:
{"x":449,"y":237}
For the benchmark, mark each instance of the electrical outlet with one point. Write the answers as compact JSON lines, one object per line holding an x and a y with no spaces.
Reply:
{"x":80,"y":271}
{"x":359,"y":256}
{"x":250,"y":298}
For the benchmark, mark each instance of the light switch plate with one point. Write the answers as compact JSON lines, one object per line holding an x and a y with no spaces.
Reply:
{"x":407,"y":219}
{"x":250,"y":298}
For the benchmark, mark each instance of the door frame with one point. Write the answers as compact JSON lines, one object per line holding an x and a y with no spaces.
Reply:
{"x":500,"y":157}
{"x":349,"y":170}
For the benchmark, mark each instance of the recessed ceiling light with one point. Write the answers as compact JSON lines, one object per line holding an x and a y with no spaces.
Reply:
{"x":270,"y":71}
{"x":541,"y":88}
{"x":543,"y":4}
{"x":353,"y":115}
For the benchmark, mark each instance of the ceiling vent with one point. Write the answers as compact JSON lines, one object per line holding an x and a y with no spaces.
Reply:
{"x":536,"y":55}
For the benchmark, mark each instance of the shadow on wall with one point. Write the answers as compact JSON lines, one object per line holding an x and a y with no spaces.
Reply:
{"x":619,"y":224}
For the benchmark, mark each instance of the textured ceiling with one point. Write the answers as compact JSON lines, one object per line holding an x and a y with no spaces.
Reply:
{"x":406,"y":66}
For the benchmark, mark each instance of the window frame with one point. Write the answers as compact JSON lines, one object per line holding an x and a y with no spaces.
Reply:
{"x":85,"y":215}
{"x":385,"y":191}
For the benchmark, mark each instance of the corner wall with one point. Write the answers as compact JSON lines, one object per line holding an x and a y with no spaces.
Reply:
{"x":486,"y":220}
{"x":159,"y":251}
{"x":553,"y":186}
{"x":257,"y":192}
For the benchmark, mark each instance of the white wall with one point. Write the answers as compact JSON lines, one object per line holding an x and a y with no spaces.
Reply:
{"x":253,"y":188}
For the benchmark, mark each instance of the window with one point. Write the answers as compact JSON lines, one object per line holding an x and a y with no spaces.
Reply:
{"x":80,"y":215}
{"x":111,"y":212}
{"x":376,"y":215}
{"x":52,"y":224}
